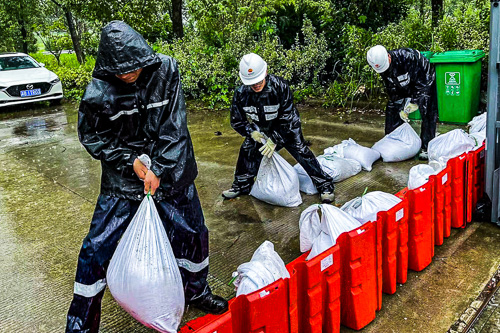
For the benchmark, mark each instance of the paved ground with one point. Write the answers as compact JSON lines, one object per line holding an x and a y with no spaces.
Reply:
{"x":49,"y":184}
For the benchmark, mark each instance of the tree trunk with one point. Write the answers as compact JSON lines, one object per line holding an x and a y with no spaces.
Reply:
{"x":74,"y":36}
{"x":437,"y":11}
{"x":24,"y":35}
{"x":176,"y":17}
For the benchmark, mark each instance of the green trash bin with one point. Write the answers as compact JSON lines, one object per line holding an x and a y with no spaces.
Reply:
{"x":458,"y":77}
{"x":416,"y":115}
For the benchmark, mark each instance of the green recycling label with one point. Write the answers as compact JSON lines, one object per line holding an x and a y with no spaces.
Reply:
{"x":452,"y":78}
{"x":452,"y":82}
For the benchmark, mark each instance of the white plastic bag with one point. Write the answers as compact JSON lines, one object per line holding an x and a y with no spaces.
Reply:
{"x":366,"y":207}
{"x":350,"y":149}
{"x":265,"y":267}
{"x":399,"y":145}
{"x":277,"y":182}
{"x":419,"y":175}
{"x":319,"y":234}
{"x":449,"y":145}
{"x":143,"y":275}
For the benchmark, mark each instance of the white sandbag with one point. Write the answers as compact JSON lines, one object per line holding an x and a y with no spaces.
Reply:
{"x":350,"y":149}
{"x":306,"y":184}
{"x":366,"y":207}
{"x":449,"y":145}
{"x":479,"y":138}
{"x":399,"y":145}
{"x":277,"y":182}
{"x":265,"y":267}
{"x":143,"y":275}
{"x":336,"y":167}
{"x":318,"y":234}
{"x":419,"y":175}
{"x":478,"y":124}
{"x":339,"y":168}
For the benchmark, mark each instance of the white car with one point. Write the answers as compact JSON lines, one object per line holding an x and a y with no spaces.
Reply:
{"x":24,"y":80}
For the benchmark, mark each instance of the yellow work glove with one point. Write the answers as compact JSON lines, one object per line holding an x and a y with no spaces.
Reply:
{"x":404,"y":116}
{"x":410,"y":108}
{"x":257,"y":136}
{"x":268,"y":148}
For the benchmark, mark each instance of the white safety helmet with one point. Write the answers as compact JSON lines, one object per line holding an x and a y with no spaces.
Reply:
{"x":253,"y":69}
{"x":378,"y":58}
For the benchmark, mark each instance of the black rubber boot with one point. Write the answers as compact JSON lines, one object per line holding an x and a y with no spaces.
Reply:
{"x":211,"y":304}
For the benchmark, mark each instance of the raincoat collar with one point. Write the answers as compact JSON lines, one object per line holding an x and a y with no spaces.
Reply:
{"x":122,"y":50}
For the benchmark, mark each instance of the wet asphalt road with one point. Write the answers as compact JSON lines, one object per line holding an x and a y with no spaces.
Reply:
{"x":49,"y":184}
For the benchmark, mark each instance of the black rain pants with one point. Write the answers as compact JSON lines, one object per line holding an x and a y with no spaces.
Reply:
{"x":428,"y":111}
{"x":249,"y":161}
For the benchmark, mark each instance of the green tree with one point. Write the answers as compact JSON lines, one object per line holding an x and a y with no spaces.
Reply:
{"x":16,"y":20}
{"x":55,"y":38}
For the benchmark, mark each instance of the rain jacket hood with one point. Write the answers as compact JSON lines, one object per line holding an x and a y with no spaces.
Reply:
{"x":117,"y":122}
{"x":122,"y":50}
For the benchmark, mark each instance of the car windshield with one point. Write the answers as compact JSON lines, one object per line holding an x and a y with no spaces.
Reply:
{"x":16,"y":62}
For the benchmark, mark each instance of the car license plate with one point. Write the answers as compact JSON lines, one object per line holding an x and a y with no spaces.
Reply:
{"x":32,"y":92}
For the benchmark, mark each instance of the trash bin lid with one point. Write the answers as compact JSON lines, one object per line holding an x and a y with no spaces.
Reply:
{"x":427,"y":54}
{"x":457,"y":56}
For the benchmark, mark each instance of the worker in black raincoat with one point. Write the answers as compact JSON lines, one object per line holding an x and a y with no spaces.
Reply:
{"x":410,"y":81}
{"x":263,"y":109}
{"x":134,"y":105}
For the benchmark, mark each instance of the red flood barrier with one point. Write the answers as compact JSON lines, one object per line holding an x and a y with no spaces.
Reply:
{"x":265,"y":310}
{"x":394,"y":238}
{"x":475,"y":179}
{"x":478,"y":157}
{"x":420,"y":226}
{"x":442,"y":204}
{"x":402,"y":252}
{"x":210,"y":323}
{"x":315,"y":293}
{"x":458,"y":189}
{"x":358,"y":271}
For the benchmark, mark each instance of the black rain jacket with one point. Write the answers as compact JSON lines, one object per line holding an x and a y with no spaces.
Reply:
{"x":118,"y":121}
{"x":272,"y":110}
{"x":410,"y":74}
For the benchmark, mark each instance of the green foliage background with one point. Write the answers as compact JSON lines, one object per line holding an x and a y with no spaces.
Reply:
{"x":318,"y":46}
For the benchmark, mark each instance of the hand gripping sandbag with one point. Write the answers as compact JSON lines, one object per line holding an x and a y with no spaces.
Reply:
{"x":350,"y":149}
{"x":265,"y":267}
{"x":277,"y":183}
{"x":319,"y":234}
{"x":399,"y":145}
{"x":366,"y":207}
{"x":449,"y":145}
{"x":143,"y":275}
